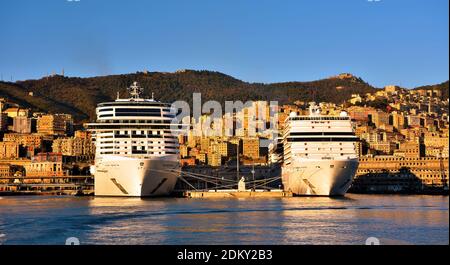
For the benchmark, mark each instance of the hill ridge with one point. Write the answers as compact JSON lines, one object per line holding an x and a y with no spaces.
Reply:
{"x":79,"y":96}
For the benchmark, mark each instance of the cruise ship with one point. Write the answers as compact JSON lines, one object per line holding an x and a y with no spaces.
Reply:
{"x":136,"y":153}
{"x":319,"y":154}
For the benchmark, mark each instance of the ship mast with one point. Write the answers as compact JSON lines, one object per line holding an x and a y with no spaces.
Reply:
{"x":135,"y":90}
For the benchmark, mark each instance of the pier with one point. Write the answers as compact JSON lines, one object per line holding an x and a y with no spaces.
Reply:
{"x":217,"y":194}
{"x":231,"y":187}
{"x":48,"y":185}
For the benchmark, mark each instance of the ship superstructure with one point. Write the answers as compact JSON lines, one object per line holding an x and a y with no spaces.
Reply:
{"x":319,"y":154}
{"x":136,"y":152}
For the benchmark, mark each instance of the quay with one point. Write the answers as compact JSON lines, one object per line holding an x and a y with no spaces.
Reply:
{"x":48,"y":185}
{"x":217,"y":194}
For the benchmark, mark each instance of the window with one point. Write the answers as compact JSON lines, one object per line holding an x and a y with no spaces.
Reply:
{"x":106,"y":109}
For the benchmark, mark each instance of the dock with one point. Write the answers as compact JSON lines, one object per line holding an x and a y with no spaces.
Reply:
{"x":47,"y":185}
{"x":217,"y":194}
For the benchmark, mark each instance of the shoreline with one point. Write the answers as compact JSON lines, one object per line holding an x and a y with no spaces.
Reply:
{"x":91,"y":194}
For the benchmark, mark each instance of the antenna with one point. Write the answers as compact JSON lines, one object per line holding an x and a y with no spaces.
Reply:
{"x":135,"y":90}
{"x":153,"y":96}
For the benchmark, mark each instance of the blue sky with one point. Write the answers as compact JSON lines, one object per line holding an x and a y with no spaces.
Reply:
{"x":403,"y":42}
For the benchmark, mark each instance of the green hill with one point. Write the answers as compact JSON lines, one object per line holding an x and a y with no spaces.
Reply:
{"x":79,"y":96}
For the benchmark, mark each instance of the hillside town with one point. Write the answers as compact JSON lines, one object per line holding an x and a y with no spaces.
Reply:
{"x":403,"y":146}
{"x":38,"y":147}
{"x":403,"y":142}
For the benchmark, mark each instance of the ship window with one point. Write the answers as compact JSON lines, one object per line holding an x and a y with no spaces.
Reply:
{"x":322,"y":139}
{"x":142,"y":114}
{"x":136,"y":110}
{"x":107,"y":109}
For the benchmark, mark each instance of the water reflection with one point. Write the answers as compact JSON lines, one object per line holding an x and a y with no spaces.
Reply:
{"x":127,"y":220}
{"x":349,"y":220}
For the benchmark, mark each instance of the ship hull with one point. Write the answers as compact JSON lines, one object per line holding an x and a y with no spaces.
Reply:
{"x":135,"y":177}
{"x":319,"y":177}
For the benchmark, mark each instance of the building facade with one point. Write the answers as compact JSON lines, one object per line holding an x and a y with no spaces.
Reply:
{"x":9,"y":150}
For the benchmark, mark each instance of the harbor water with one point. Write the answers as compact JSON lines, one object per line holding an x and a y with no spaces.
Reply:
{"x":392,"y":219}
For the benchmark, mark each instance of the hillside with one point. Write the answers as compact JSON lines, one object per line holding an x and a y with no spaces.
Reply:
{"x":443,"y":87}
{"x":79,"y":96}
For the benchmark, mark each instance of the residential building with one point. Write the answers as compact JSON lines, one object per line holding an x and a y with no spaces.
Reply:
{"x":23,"y":124}
{"x":250,"y":148}
{"x":54,"y":124}
{"x":9,"y":150}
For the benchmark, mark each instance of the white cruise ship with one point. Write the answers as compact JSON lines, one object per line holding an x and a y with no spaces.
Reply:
{"x":319,"y":154}
{"x":136,"y":153}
